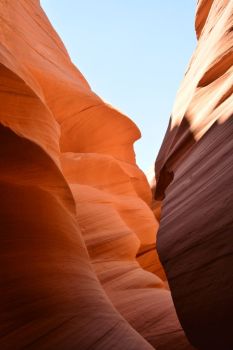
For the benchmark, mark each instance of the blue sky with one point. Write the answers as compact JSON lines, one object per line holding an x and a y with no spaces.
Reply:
{"x":133,"y":53}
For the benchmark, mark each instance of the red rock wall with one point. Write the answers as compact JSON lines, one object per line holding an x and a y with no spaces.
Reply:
{"x":194,"y":172}
{"x":79,"y":269}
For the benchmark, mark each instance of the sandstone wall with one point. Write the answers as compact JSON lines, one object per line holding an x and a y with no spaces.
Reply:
{"x":79,"y":269}
{"x":194,"y":171}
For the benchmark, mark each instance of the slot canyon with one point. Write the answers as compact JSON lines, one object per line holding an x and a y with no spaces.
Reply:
{"x":92,"y":255}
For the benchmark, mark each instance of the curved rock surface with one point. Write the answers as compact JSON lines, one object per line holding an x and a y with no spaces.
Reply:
{"x":194,"y":171}
{"x":79,"y":269}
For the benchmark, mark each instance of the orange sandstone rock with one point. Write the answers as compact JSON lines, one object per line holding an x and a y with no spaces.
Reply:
{"x":194,"y":171}
{"x":78,"y":234}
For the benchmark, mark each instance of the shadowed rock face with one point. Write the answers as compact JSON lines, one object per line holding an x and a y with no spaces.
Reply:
{"x":195,"y":240}
{"x":79,"y":269}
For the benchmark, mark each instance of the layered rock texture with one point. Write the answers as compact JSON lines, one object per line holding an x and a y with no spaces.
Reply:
{"x":79,"y":265}
{"x":194,"y":171}
{"x":79,"y":269}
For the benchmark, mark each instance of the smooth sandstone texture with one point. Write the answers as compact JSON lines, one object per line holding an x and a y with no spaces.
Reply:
{"x":79,"y":269}
{"x":194,"y":173}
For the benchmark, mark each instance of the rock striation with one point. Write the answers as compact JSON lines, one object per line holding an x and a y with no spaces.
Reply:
{"x":79,"y":268}
{"x":194,"y":176}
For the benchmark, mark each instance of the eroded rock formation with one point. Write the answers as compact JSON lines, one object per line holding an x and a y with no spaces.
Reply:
{"x":79,"y":269}
{"x":194,"y":172}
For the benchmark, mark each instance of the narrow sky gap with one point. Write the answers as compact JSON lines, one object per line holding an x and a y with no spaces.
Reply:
{"x":133,"y":53}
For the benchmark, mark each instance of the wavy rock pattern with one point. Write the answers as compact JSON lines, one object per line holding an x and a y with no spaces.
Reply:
{"x":194,"y":172}
{"x":79,"y":269}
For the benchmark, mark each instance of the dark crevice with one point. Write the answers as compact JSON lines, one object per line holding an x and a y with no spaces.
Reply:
{"x":217,"y":70}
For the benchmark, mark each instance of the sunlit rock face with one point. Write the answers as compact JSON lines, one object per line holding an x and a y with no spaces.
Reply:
{"x":79,"y":269}
{"x":194,"y":171}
